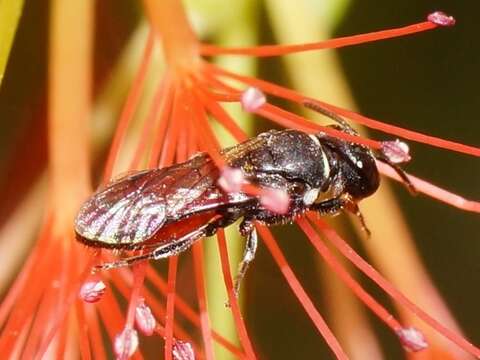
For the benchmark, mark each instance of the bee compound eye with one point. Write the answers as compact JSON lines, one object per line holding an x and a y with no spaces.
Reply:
{"x":297,"y":188}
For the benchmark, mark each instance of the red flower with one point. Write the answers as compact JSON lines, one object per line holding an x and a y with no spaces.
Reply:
{"x":56,"y":305}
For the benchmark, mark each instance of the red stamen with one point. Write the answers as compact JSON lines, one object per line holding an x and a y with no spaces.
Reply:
{"x":222,"y":97}
{"x":396,"y":151}
{"x":172,"y":275}
{"x":95,"y":333}
{"x":294,"y":96}
{"x":300,"y":293}
{"x":129,"y":108}
{"x":275,"y":200}
{"x":122,"y":283}
{"x":433,"y":191}
{"x":290,"y":120}
{"x":337,"y":267}
{"x":179,"y":114}
{"x":22,"y":338}
{"x":252,"y":99}
{"x":70,"y":286}
{"x":374,"y":275}
{"x":126,"y":343}
{"x":441,"y":19}
{"x":231,"y":179}
{"x":111,"y":315}
{"x":405,"y":133}
{"x":206,"y":139}
{"x":138,"y":280}
{"x":192,"y":146}
{"x":207,"y":78}
{"x":276,"y":50}
{"x":182,"y":142}
{"x":144,"y":318}
{"x":162,"y":125}
{"x":149,"y":124}
{"x":412,"y":339}
{"x":183,"y":351}
{"x":167,"y":155}
{"x":45,"y":308}
{"x":62,"y":340}
{"x":92,"y":290}
{"x":189,"y":313}
{"x":82,"y":328}
{"x":202,"y":300}
{"x":26,"y":305}
{"x":232,"y":299}
{"x":23,"y":277}
{"x":222,"y":116}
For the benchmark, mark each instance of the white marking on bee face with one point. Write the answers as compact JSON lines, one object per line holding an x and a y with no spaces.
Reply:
{"x":315,"y":140}
{"x":326,"y":165}
{"x":359,"y":164}
{"x":310,"y":196}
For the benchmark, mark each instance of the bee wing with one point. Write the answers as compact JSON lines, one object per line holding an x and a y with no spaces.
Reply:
{"x":239,"y":151}
{"x":131,"y":209}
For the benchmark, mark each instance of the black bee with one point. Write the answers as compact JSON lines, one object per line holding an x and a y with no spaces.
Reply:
{"x":163,"y":211}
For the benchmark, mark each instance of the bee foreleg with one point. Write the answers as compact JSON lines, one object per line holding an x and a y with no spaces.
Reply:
{"x":353,"y":208}
{"x":246,"y":229}
{"x":335,"y":205}
{"x":329,"y":207}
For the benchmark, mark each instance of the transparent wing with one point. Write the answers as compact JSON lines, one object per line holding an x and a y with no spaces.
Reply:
{"x":133,"y":208}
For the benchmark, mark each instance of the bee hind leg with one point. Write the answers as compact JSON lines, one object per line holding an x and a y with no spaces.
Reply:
{"x":122,"y":262}
{"x":247,"y":229}
{"x":162,"y":251}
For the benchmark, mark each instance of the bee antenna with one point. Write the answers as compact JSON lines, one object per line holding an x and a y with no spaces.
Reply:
{"x":315,"y":106}
{"x":403,"y":175}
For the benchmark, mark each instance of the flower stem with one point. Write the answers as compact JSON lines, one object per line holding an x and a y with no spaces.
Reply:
{"x":71,"y":31}
{"x":170,"y":22}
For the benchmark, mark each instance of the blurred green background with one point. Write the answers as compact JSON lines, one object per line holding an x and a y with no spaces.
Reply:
{"x":427,"y":82}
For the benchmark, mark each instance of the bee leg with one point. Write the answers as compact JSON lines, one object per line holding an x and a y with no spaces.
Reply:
{"x":123,"y":262}
{"x":187,"y":240}
{"x":172,"y":248}
{"x":329,"y":207}
{"x":353,"y":208}
{"x":178,"y":246}
{"x":333,"y":206}
{"x":247,"y":229}
{"x":163,"y":251}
